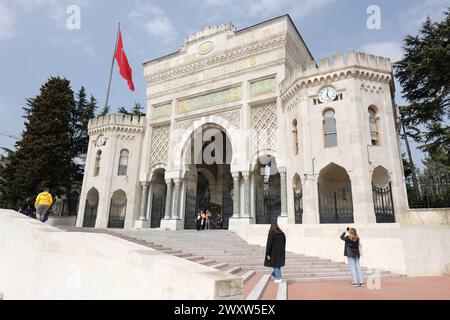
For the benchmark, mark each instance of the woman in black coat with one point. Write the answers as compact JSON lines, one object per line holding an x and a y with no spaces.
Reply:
{"x":351,"y":251}
{"x":275,"y":251}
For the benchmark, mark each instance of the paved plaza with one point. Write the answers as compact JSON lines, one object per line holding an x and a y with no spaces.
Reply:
{"x":421,"y":288}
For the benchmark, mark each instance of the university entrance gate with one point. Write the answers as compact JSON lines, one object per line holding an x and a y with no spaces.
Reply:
{"x":209,"y":184}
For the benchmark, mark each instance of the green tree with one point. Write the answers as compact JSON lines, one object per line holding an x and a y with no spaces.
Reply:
{"x":137,"y":110}
{"x":81,"y":113}
{"x":424,"y":74}
{"x":43,"y":155}
{"x":105,"y":111}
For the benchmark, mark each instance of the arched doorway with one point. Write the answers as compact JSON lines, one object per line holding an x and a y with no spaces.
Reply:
{"x":335,"y":195}
{"x":117,"y":210}
{"x":382,"y":196}
{"x":208,"y":179}
{"x":298,"y":199}
{"x":159,"y":190}
{"x":267,"y":190}
{"x":90,"y":209}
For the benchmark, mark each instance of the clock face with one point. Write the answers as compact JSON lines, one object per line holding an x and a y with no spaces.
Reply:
{"x":101,"y":140}
{"x":327,"y":94}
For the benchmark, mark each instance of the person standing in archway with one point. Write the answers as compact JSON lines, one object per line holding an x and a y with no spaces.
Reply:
{"x":203,"y":220}
{"x":198,"y":221}
{"x":208,"y":219}
{"x":275,"y":251}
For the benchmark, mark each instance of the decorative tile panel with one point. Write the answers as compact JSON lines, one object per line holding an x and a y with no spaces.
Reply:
{"x":210,"y":99}
{"x":162,"y":111}
{"x":265,"y":86}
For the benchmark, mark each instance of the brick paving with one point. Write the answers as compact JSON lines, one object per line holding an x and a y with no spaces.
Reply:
{"x":419,"y":288}
{"x":271,"y":291}
{"x":251,"y":283}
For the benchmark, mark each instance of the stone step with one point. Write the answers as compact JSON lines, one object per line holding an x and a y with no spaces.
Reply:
{"x":331,"y":278}
{"x":248,"y":275}
{"x":324,"y":274}
{"x":258,"y":290}
{"x":233,"y":270}
{"x":219,"y":265}
{"x":195,"y":258}
{"x":183,"y":255}
{"x":282,"y":292}
{"x":171,"y":251}
{"x":206,"y":262}
{"x":231,"y":254}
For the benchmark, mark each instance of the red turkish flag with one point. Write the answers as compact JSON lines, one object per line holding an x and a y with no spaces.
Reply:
{"x":125,"y":70}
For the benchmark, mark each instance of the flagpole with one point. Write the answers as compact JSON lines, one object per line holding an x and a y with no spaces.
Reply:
{"x":112,"y":68}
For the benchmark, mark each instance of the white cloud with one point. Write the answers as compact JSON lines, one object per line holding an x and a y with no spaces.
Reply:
{"x":154,"y":19}
{"x":261,"y":8}
{"x":52,"y":8}
{"x":390,"y":49}
{"x":7,"y":21}
{"x":410,"y":20}
{"x":75,"y":44}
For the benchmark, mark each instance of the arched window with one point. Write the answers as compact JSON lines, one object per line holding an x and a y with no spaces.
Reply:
{"x":123,"y":162}
{"x":373,"y":124}
{"x":98,"y":159}
{"x":329,"y":128}
{"x":295,"y":136}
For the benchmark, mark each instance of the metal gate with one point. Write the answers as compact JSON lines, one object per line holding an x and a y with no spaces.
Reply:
{"x":190,"y":210}
{"x":383,"y":204}
{"x":227,"y":208}
{"x":298,"y":206}
{"x":268,"y":206}
{"x":73,"y":203}
{"x":90,"y":215}
{"x":335,"y":206}
{"x":158,"y":212}
{"x":117,"y":214}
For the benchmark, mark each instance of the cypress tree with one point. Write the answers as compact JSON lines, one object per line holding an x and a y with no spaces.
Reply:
{"x":43,"y":155}
{"x":137,"y":110}
{"x":424,"y":74}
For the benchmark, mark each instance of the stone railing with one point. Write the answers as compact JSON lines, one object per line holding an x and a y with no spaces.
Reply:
{"x":40,"y":262}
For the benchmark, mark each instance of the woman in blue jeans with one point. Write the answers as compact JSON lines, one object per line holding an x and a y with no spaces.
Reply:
{"x":275,"y":251}
{"x":352,"y":253}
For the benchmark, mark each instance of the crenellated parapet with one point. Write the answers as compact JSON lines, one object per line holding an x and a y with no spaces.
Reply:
{"x":208,"y":32}
{"x":339,"y":66}
{"x":117,"y":122}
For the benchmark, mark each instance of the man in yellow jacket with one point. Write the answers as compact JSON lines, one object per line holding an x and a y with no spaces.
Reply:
{"x":43,"y":202}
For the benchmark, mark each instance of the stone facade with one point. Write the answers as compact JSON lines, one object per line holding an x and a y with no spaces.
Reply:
{"x":260,"y":87}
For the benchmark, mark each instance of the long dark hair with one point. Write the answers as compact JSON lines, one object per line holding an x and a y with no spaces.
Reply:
{"x":275,"y":229}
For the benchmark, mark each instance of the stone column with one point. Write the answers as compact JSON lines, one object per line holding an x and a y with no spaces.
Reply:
{"x":283,"y":218}
{"x":283,"y":190}
{"x":176,"y":200}
{"x":246,"y":213}
{"x":142,"y":222}
{"x":168,"y":211}
{"x":236,"y":195}
{"x":311,"y":213}
{"x":148,"y":213}
{"x":144,"y":199}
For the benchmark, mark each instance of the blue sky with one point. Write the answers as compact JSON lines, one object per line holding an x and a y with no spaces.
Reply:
{"x":36,"y":44}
